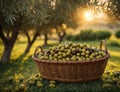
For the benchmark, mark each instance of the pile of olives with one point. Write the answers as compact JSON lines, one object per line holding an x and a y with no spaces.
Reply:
{"x":71,"y":52}
{"x":111,"y":78}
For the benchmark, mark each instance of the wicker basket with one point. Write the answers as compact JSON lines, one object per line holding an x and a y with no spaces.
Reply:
{"x":72,"y":71}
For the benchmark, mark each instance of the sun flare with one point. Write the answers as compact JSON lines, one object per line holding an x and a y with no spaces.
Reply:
{"x":88,"y":15}
{"x":91,"y":16}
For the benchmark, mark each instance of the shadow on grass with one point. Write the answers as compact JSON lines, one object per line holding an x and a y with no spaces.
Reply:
{"x":20,"y":58}
{"x":9,"y":69}
{"x":25,"y":68}
{"x":29,"y":59}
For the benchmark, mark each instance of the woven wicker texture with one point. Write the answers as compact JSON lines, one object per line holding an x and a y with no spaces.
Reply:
{"x":72,"y":71}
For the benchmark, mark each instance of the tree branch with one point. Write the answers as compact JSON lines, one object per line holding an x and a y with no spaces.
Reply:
{"x":14,"y":35}
{"x":35,"y":36}
{"x":28,"y":37}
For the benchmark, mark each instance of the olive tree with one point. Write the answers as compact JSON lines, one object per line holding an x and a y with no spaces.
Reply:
{"x":39,"y":18}
{"x":62,"y":13}
{"x":12,"y":15}
{"x":17,"y":15}
{"x":47,"y":14}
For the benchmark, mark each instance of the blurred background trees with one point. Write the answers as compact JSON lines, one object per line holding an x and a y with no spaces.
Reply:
{"x":16,"y":16}
{"x":39,"y":17}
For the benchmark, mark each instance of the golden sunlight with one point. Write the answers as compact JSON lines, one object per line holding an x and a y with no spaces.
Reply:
{"x":89,"y":16}
{"x":93,"y":16}
{"x":85,"y":15}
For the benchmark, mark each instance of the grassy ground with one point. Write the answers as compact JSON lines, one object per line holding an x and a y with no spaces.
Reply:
{"x":21,"y":74}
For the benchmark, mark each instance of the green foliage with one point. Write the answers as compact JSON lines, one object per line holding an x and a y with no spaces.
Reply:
{"x":69,"y":37}
{"x":102,"y":34}
{"x":12,"y":11}
{"x":63,"y":11}
{"x":89,"y":34}
{"x":114,"y":43}
{"x":117,"y":34}
{"x":38,"y":12}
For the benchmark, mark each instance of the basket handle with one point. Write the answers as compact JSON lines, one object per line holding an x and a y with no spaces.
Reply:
{"x":101,"y":45}
{"x":36,"y":50}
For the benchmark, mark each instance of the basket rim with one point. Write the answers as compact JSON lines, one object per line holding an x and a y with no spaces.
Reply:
{"x":69,"y":62}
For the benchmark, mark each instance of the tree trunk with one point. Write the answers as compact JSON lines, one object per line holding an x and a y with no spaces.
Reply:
{"x":45,"y":40}
{"x":30,"y":42}
{"x":6,"y":52}
{"x":29,"y":45}
{"x":8,"y":43}
{"x":61,"y":36}
{"x":60,"y":39}
{"x":8,"y":46}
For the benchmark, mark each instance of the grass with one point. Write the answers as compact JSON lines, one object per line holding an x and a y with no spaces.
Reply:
{"x":16,"y":76}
